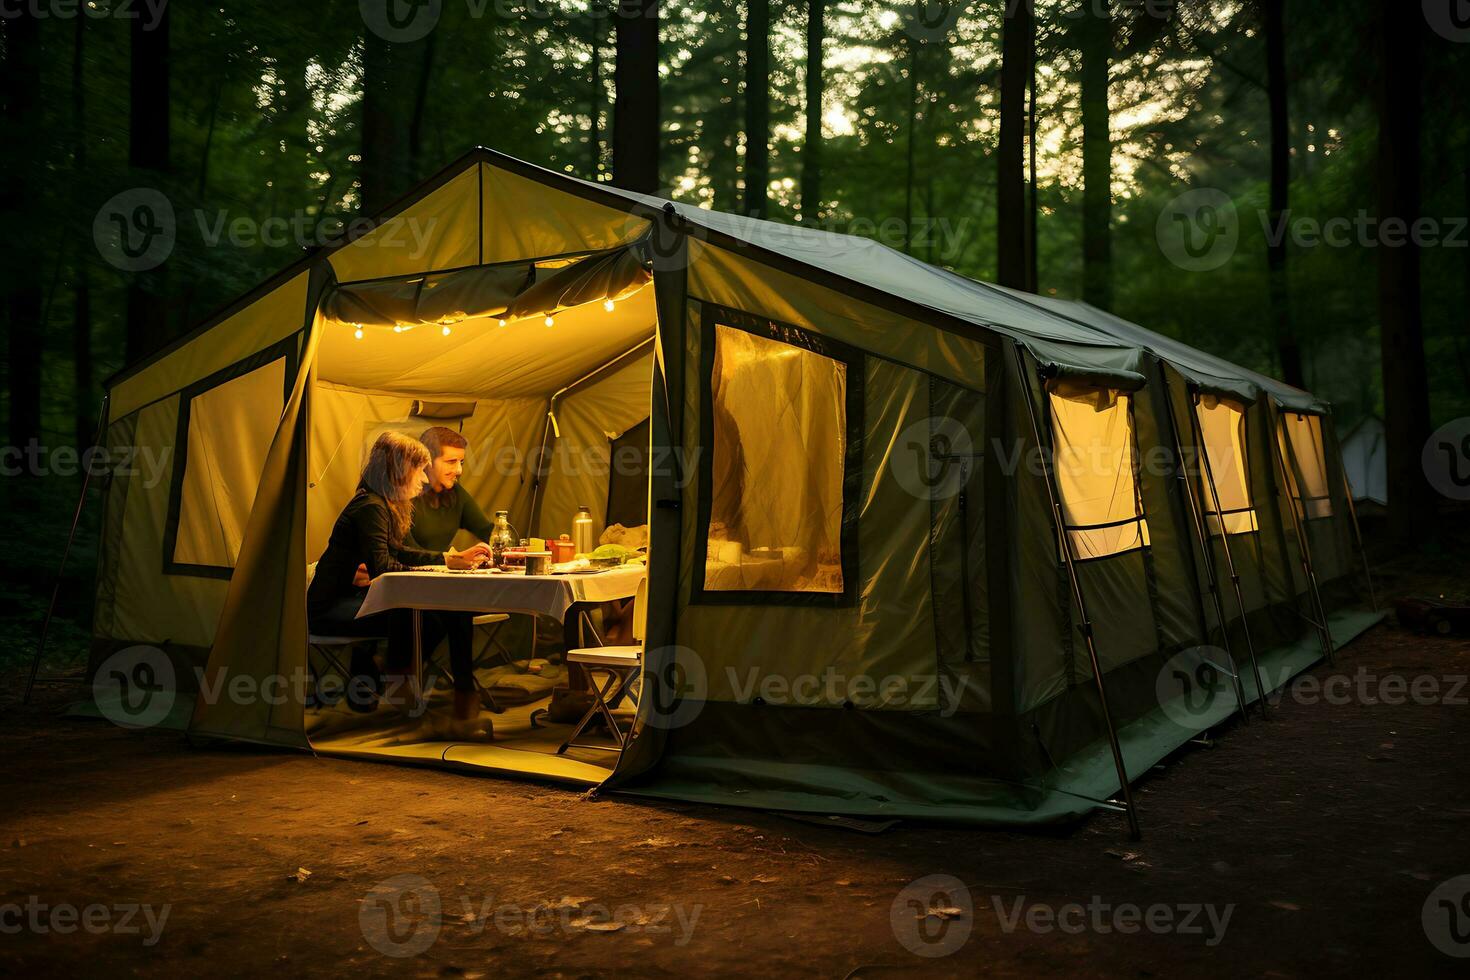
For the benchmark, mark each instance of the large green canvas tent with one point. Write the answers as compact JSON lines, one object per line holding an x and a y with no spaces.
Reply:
{"x":917,"y":546}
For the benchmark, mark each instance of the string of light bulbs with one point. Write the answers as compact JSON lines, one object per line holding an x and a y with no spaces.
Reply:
{"x":548,"y":320}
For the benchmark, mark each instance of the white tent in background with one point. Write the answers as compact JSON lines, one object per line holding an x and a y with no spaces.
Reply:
{"x":1363,"y":459}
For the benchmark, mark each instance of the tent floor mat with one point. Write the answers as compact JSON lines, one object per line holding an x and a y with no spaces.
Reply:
{"x":1081,"y":785}
{"x":518,"y":748}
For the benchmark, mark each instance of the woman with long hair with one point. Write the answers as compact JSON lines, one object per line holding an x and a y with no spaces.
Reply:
{"x":371,"y":531}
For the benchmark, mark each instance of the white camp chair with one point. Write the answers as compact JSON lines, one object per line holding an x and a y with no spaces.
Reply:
{"x":620,"y":664}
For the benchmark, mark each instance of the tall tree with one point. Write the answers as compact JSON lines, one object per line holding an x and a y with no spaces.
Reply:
{"x":22,"y":93}
{"x":1401,"y":332}
{"x":1095,"y":43}
{"x":811,"y":145}
{"x":1287,"y":348}
{"x":1018,"y":40}
{"x":757,"y":105}
{"x":149,"y":138}
{"x":635,"y":109}
{"x":915,"y":44}
{"x":381,"y":135}
{"x":594,"y":99}
{"x":83,"y":422}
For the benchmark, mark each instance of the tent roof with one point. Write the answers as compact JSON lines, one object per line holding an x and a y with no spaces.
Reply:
{"x":1212,"y":373}
{"x":1071,"y":339}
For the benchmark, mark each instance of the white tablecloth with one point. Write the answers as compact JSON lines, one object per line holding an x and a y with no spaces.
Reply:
{"x":550,"y":595}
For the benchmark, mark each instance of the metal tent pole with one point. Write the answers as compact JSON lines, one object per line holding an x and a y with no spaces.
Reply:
{"x":1357,"y":528}
{"x":1085,"y":625}
{"x":1209,"y":556}
{"x":1304,"y":553}
{"x":1209,"y":471}
{"x":71,"y":535}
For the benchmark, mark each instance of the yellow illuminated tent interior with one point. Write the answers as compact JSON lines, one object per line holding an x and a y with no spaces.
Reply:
{"x":917,"y":546}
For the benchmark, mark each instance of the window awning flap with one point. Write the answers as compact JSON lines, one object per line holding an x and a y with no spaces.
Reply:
{"x":608,"y":275}
{"x":514,"y":290}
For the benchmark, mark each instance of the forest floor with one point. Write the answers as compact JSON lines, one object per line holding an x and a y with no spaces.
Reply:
{"x":1316,"y":841}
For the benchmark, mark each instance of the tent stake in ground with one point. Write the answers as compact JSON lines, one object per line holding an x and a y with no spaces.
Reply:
{"x":1204,"y":543}
{"x":1209,"y":474}
{"x":1304,"y":553}
{"x":1084,"y":624}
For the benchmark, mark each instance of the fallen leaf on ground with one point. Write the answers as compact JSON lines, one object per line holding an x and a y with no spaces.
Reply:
{"x":1288,"y":906}
{"x":301,"y":874}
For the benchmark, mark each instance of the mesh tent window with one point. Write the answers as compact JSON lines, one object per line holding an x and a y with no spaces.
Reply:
{"x":1095,"y":458}
{"x":782,"y":463}
{"x":1222,"y":429}
{"x":1305,"y":456}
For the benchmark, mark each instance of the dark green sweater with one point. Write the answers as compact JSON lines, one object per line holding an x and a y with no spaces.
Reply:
{"x":434,"y":527}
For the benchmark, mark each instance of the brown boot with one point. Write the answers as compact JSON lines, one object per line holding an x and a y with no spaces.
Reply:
{"x":468,"y":721}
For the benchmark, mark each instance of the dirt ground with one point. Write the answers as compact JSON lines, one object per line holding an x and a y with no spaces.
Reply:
{"x":1320,"y":833}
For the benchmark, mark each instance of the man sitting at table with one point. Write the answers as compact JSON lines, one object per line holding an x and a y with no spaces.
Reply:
{"x":445,"y":508}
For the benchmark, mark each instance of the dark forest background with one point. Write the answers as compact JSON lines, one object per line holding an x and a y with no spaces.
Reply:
{"x":1044,"y":146}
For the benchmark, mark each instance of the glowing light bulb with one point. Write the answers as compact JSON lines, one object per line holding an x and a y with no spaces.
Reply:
{"x":397,"y":328}
{"x":550,"y":321}
{"x":445,"y":331}
{"x":501,"y":322}
{"x":357,"y":333}
{"x":607,"y":305}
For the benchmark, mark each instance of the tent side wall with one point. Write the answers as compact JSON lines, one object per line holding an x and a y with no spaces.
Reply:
{"x":174,"y":514}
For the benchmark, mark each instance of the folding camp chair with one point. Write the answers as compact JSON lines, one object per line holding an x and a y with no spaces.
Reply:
{"x":621,"y":664}
{"x":326,"y":646}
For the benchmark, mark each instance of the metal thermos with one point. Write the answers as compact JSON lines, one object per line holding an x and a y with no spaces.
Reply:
{"x":582,"y":535}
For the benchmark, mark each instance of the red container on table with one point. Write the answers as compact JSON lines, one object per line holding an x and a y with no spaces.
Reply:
{"x":562,"y":549}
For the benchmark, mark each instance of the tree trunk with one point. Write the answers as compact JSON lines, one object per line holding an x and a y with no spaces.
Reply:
{"x":594,"y":102}
{"x":1017,"y":42}
{"x":910,"y":132}
{"x":1096,"y":46}
{"x":22,"y":89}
{"x":380,"y":134}
{"x":1286,"y":344}
{"x":1033,"y":187}
{"x":84,"y":422}
{"x":417,"y":170}
{"x":757,"y":105}
{"x":635,"y":109}
{"x":148,"y":156}
{"x":811,"y":146}
{"x":1405,"y":382}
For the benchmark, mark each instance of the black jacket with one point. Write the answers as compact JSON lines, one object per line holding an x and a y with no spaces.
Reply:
{"x":361,"y":537}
